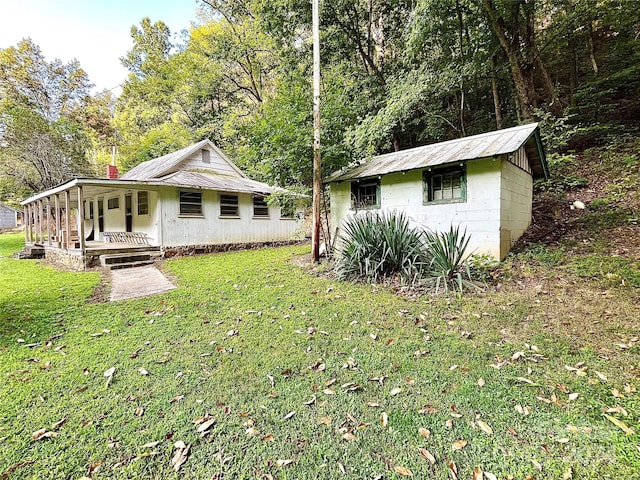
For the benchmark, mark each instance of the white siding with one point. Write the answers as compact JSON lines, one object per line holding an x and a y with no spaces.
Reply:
{"x":211,"y":229}
{"x":217,"y":163}
{"x":7,"y":217}
{"x":480,"y":214}
{"x":114,"y":219}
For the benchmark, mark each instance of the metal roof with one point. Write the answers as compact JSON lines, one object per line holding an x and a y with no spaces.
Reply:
{"x":212,"y":181}
{"x":485,"y":145}
{"x":161,"y":166}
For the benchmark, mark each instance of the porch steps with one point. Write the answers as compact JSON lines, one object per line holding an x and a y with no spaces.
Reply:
{"x":30,"y":251}
{"x":115,"y":261}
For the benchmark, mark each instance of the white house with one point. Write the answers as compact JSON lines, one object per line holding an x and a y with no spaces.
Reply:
{"x":483,"y":183}
{"x":194,"y":200}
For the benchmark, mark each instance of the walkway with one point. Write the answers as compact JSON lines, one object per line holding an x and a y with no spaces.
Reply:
{"x":138,"y":282}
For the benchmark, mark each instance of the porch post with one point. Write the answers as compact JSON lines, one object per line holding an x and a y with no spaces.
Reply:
{"x":67,"y":204}
{"x":40,"y":218}
{"x":81,"y":218}
{"x":57,"y":208}
{"x":49,"y":221}
{"x":27,"y":224}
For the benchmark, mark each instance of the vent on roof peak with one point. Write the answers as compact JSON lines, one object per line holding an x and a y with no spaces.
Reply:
{"x":206,"y":156}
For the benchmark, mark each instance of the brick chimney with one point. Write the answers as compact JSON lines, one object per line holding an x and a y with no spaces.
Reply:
{"x":112,"y":170}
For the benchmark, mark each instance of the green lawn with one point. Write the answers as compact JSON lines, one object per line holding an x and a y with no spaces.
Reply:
{"x":311,"y":378}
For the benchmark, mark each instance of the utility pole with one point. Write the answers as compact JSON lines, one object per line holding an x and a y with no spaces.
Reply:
{"x":317,"y":178}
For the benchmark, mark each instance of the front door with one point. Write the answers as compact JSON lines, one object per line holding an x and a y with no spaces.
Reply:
{"x":101,"y":215}
{"x":128,"y":213}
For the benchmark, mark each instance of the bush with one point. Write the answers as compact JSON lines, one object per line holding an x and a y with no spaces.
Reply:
{"x":448,"y":265}
{"x":379,"y":245}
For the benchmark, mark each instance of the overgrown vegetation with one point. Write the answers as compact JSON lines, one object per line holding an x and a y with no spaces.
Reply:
{"x":306,"y":377}
{"x":380,"y":245}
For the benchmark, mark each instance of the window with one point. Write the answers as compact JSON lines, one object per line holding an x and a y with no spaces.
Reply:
{"x":260,"y":207}
{"x":365,"y":194}
{"x":229,"y":206}
{"x":113,"y":203}
{"x":143,"y":203}
{"x":190,"y":203}
{"x":206,"y":156}
{"x":445,"y":185}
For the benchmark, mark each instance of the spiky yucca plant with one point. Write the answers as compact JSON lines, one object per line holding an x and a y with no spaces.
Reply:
{"x":448,"y":266}
{"x":378,"y":245}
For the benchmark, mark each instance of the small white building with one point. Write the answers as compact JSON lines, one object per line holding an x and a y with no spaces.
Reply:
{"x":194,"y":200}
{"x":8,"y":217}
{"x":483,"y":183}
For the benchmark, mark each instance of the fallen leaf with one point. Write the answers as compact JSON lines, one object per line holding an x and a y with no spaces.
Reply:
{"x":568,"y":474}
{"x":481,"y":382}
{"x":490,"y":476}
{"x":150,"y":444}
{"x":59,"y":423}
{"x":527,"y":381}
{"x":342,"y":469}
{"x":267,"y":438}
{"x":536,"y":464}
{"x":623,"y":426}
{"x":427,"y":454}
{"x":252,"y":432}
{"x":601,"y":376}
{"x":424,"y":432}
{"x":176,"y":399}
{"x":143,"y":371}
{"x":182,"y":452}
{"x":395,"y":391}
{"x":453,"y":470}
{"x":563,"y":440}
{"x":138,"y":412}
{"x":458,"y":445}
{"x":311,"y":402}
{"x":349,"y":437}
{"x":477,"y":473}
{"x":109,"y":374}
{"x":328,"y":391}
{"x":405,"y":472}
{"x":384,"y":419}
{"x":325,"y":421}
{"x":283,"y":463}
{"x":485,"y":427}
{"x":203,"y":427}
{"x":42,"y":434}
{"x":573,"y":396}
{"x":288,"y":415}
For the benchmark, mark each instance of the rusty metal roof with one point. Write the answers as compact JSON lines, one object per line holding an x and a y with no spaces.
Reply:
{"x":485,"y":145}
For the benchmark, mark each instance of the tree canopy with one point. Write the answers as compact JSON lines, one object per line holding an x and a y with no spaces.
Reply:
{"x":396,"y":74}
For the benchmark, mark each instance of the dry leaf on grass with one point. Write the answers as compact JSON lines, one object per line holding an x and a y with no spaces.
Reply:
{"x":395,"y":391}
{"x":143,"y":371}
{"x":621,"y":425}
{"x":490,"y":476}
{"x":384,"y":419}
{"x":458,"y":445}
{"x":477,"y":473}
{"x":349,"y":437}
{"x":427,"y":454}
{"x":42,"y":434}
{"x":485,"y":427}
{"x":424,"y":432}
{"x":283,"y":463}
{"x":288,"y":415}
{"x":204,"y":426}
{"x":481,"y":382}
{"x":405,"y":472}
{"x":182,"y":452}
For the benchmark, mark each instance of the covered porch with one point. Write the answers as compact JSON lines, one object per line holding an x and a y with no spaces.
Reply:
{"x":78,"y":221}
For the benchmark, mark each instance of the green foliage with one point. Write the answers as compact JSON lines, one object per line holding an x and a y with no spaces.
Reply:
{"x":448,"y":266}
{"x":380,"y":245}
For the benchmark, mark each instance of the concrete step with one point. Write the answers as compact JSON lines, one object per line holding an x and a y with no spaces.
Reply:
{"x":118,"y":266}
{"x":31,"y":251}
{"x":114,"y":260}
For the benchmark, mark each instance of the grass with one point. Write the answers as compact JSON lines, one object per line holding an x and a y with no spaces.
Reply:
{"x":431,"y":352}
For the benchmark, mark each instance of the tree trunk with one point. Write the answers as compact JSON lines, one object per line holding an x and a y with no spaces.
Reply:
{"x":495,"y":91}
{"x":520,"y":73}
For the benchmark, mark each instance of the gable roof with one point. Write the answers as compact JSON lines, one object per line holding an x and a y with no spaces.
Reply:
{"x":213,"y":181}
{"x":2,"y":205}
{"x":161,"y":166}
{"x":485,"y":145}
